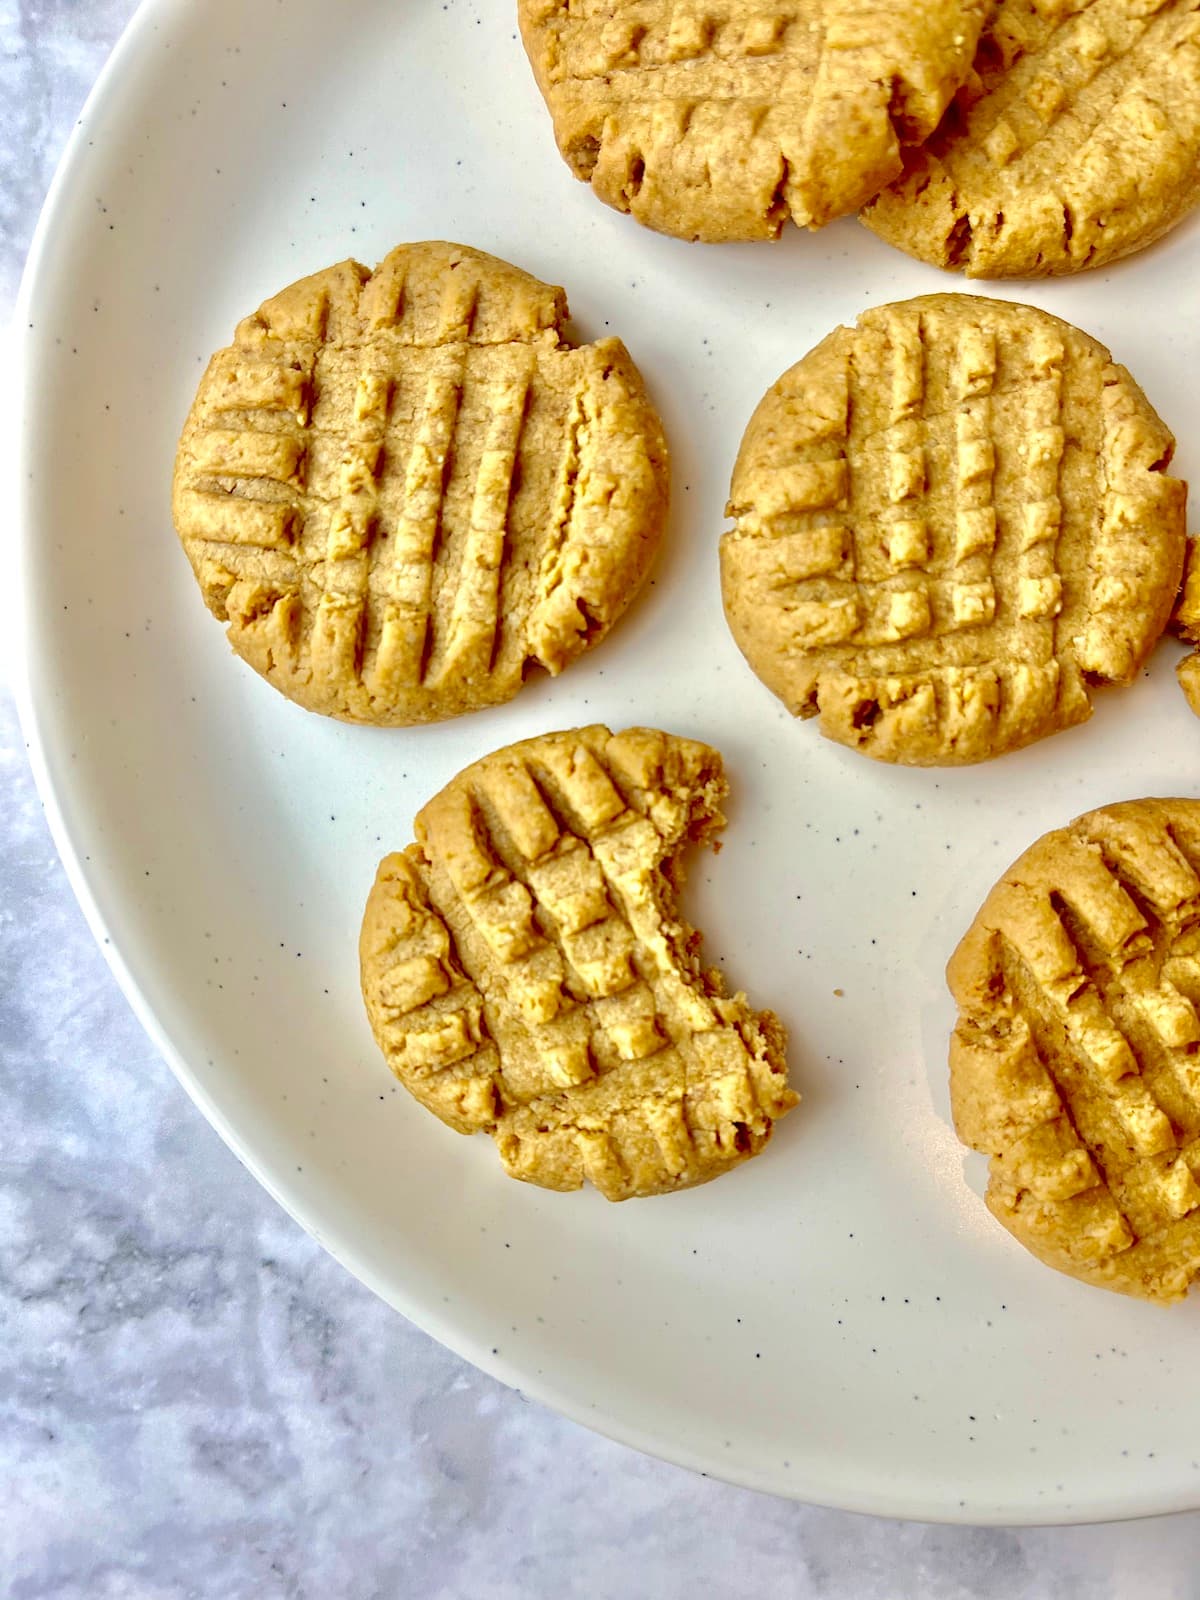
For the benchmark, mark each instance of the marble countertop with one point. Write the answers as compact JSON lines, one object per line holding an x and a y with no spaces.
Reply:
{"x":195,"y":1401}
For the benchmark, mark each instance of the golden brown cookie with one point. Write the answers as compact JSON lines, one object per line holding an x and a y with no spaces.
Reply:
{"x":719,"y":119}
{"x":403,"y":488}
{"x":1078,"y":142}
{"x":1075,"y":1062}
{"x":1186,"y":623}
{"x":525,"y":970}
{"x":950,"y":522}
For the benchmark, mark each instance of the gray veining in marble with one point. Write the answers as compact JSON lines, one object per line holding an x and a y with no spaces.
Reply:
{"x":195,"y":1401}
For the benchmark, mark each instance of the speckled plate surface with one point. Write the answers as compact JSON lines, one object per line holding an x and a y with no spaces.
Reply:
{"x":839,"y":1321}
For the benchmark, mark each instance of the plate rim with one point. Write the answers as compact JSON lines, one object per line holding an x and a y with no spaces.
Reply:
{"x":338,"y":1242}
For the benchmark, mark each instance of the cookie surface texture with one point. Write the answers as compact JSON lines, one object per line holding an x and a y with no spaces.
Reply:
{"x":1186,"y":623}
{"x":400,"y":489}
{"x":525,"y":972}
{"x":950,"y":521}
{"x":719,"y":119}
{"x":1078,"y":142}
{"x":1075,"y":1062}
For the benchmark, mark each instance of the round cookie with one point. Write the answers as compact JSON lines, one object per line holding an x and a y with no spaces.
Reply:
{"x":1077,"y":143}
{"x":525,"y":971}
{"x":719,"y":119}
{"x":401,"y":489}
{"x":1074,"y":1061}
{"x":951,"y":520}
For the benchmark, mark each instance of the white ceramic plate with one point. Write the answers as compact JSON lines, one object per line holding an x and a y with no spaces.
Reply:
{"x":840,"y":1321}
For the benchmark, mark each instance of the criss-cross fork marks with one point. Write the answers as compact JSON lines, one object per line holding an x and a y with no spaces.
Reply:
{"x":1081,"y":61}
{"x":663,"y":50}
{"x":400,"y":433}
{"x":1080,"y":143}
{"x":563,"y":1010}
{"x":359,"y":500}
{"x":719,"y":118}
{"x":1076,"y":1059}
{"x":604,"y":38}
{"x":936,"y":512}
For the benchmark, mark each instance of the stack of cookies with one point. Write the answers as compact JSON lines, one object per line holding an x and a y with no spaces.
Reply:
{"x":402,"y":491}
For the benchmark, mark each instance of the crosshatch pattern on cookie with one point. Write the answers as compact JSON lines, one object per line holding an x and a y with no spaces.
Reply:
{"x":525,"y":971}
{"x":401,"y":488}
{"x":718,"y":119}
{"x":1075,"y":1062}
{"x":950,"y":522}
{"x":1079,"y":143}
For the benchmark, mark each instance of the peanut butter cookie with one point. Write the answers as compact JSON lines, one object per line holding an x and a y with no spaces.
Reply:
{"x":1078,"y":142}
{"x":1075,"y":1062}
{"x":1186,"y":623}
{"x":525,"y":971}
{"x":719,"y":119}
{"x":402,"y":488}
{"x":950,"y":522}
